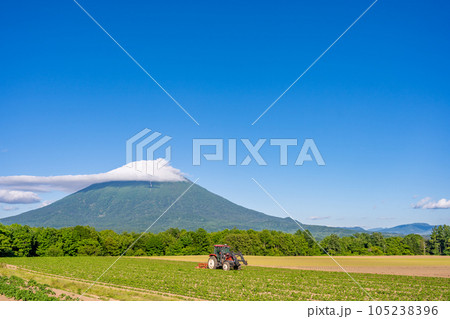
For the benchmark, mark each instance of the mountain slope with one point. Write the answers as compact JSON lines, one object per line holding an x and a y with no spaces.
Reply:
{"x":416,"y":228}
{"x":134,"y":206}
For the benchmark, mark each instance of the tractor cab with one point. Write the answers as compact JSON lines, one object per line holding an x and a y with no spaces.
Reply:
{"x":221,"y":249}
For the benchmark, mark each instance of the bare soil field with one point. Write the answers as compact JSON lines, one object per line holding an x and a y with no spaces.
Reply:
{"x":3,"y":298}
{"x":424,"y":266}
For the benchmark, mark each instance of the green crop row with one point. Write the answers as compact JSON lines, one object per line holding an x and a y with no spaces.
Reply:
{"x":19,"y":289}
{"x":251,"y":283}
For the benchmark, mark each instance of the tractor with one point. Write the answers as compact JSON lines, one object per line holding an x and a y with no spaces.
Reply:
{"x":223,"y":257}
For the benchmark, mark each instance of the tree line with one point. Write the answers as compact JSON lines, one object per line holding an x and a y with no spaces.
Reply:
{"x":24,"y":241}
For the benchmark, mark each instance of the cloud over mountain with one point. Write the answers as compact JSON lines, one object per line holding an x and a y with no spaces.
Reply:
{"x":136,"y":171}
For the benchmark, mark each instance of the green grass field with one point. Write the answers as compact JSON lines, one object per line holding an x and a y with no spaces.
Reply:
{"x":427,"y":266}
{"x":252,"y":283}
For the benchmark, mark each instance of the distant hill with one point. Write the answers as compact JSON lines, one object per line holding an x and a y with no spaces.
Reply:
{"x":133,"y":206}
{"x":416,"y":228}
{"x":358,"y":229}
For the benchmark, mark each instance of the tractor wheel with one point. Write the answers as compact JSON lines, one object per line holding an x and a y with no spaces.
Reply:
{"x":238,"y":267}
{"x":226,"y":266}
{"x":212,"y":262}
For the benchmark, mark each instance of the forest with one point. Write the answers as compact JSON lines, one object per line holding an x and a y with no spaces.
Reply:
{"x":24,"y":241}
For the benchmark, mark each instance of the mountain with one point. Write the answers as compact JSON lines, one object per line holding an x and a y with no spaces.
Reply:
{"x":416,"y":228}
{"x":134,"y":206}
{"x":358,"y":229}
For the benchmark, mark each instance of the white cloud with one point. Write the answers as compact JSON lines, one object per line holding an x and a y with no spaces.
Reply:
{"x":46,"y":203}
{"x":9,"y":208}
{"x":18,"y":197}
{"x":136,"y":171}
{"x":319,"y":217}
{"x":427,"y":203}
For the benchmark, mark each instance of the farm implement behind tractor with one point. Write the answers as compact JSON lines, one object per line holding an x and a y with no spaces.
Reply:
{"x":223,"y":257}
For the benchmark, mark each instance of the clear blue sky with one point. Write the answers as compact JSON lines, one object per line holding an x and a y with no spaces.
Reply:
{"x":377,"y":104}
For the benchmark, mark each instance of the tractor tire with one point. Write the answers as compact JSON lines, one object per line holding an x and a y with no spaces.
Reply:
{"x":238,"y":267}
{"x":226,"y":266}
{"x":212,"y":262}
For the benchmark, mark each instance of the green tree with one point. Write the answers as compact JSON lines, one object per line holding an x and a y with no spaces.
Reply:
{"x":154,"y":246}
{"x":5,"y":246}
{"x":111,"y":243}
{"x":5,"y":241}
{"x":440,"y":240}
{"x":377,"y":239}
{"x":89,"y":247}
{"x":201,"y":241}
{"x":22,"y":240}
{"x":415,"y":243}
{"x":397,"y":246}
{"x":54,"y":251}
{"x":331,"y":244}
{"x":46,"y":238}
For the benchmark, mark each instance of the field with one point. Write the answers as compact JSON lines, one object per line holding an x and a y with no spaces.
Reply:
{"x":180,"y":280}
{"x":28,"y":290}
{"x":428,"y":266}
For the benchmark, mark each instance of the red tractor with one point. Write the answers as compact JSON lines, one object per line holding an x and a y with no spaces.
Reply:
{"x":223,"y":257}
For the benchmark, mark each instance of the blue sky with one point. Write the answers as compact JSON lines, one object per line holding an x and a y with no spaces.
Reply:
{"x":377,"y":104}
